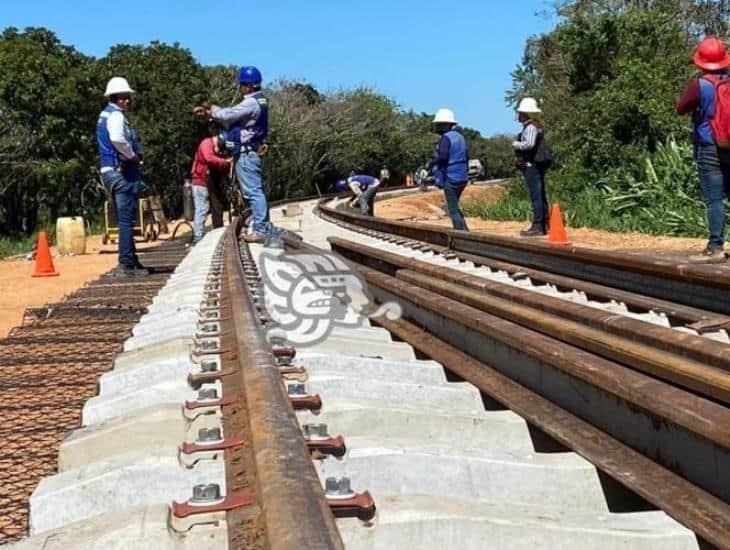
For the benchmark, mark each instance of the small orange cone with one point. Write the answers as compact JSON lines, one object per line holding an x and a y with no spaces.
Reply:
{"x":43,"y":261}
{"x":557,"y":234}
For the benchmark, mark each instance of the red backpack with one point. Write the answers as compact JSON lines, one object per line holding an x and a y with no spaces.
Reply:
{"x":720,"y":122}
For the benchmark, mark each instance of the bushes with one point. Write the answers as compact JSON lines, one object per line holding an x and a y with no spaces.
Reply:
{"x":660,"y":195}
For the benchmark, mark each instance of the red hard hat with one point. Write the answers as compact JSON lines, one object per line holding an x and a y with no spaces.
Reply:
{"x":712,"y":55}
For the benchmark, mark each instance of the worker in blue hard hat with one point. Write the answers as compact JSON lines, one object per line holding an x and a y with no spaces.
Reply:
{"x":363,"y":189}
{"x":246,"y":126}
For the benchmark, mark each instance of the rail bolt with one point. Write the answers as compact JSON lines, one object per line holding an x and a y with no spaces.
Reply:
{"x":338,"y":488}
{"x":209,"y":366}
{"x":296,"y":389}
{"x":205,"y":493}
{"x":208,"y":394}
{"x":315,"y":431}
{"x":209,"y":435}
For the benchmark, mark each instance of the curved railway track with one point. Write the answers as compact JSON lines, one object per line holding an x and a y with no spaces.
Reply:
{"x":528,"y":396}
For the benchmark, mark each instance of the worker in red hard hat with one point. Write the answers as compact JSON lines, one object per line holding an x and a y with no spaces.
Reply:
{"x":702,"y":98}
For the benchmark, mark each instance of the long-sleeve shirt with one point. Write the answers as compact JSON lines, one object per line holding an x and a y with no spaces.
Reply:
{"x":205,"y":160}
{"x":527,"y":138}
{"x":245,"y":111}
{"x":690,"y":99}
{"x":116,"y":124}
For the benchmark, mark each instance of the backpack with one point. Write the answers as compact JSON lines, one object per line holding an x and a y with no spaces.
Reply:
{"x":720,"y":122}
{"x":543,"y":156}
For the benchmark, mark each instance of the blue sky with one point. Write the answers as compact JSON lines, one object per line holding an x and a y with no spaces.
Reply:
{"x":424,"y":54}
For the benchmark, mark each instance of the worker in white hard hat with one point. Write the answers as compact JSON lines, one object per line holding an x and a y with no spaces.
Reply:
{"x":121,"y":157}
{"x":533,"y":158}
{"x":450,"y":165}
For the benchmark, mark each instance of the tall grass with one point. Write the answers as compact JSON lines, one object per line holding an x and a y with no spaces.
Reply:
{"x":660,"y":196}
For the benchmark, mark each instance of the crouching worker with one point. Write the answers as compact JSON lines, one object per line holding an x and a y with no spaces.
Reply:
{"x":364,"y":188}
{"x":208,"y":173}
{"x":450,"y":165}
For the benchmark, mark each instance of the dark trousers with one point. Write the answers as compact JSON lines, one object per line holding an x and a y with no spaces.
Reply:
{"x":714,"y":175}
{"x":535,"y":179}
{"x":217,"y":197}
{"x":452,"y":194}
{"x":125,"y":194}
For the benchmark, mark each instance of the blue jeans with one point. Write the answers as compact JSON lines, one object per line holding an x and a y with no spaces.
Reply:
{"x":535,"y":179}
{"x":367,"y":201}
{"x":248,"y":171}
{"x":715,"y":186}
{"x":125,"y":194}
{"x":452,"y":193}
{"x":202,"y":207}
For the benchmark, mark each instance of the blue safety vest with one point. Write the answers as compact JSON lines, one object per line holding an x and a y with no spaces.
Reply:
{"x":457,"y":170}
{"x":108,"y":154}
{"x":363,"y":180}
{"x":259,"y":127}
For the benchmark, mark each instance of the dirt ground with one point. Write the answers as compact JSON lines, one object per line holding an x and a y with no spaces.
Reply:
{"x":18,"y":290}
{"x":429,"y":207}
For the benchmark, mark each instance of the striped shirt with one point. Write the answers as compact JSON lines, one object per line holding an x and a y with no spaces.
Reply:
{"x":527,"y":138}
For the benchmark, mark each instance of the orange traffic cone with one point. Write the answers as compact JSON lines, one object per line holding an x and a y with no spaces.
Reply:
{"x":557,"y":234}
{"x":43,"y":261}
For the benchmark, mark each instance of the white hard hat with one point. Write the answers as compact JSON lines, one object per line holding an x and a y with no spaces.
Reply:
{"x":445,"y":116}
{"x":528,"y":105}
{"x":117,"y":85}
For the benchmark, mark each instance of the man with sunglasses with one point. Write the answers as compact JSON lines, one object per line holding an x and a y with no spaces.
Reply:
{"x":121,"y":157}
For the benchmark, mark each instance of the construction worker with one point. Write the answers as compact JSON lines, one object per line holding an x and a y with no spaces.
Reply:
{"x":121,"y":158}
{"x":450,"y":165}
{"x":246,"y":127}
{"x":208,"y":174}
{"x":526,"y":147}
{"x":700,"y":99}
{"x":363,"y":188}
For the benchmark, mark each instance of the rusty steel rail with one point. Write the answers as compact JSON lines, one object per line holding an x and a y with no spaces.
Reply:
{"x":706,"y":515}
{"x":700,"y":286}
{"x":662,"y":442}
{"x":295,"y":511}
{"x":686,"y":359}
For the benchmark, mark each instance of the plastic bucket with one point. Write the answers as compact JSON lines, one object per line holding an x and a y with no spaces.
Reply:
{"x":70,"y":235}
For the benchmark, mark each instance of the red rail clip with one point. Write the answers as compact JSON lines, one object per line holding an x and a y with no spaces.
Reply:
{"x":361,"y":506}
{"x":310,"y":402}
{"x":197,"y":379}
{"x":229,"y":502}
{"x":334,"y":446}
{"x":222,"y":445}
{"x":225,"y":400}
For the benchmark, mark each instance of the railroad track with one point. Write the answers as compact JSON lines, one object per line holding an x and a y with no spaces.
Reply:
{"x":510,"y":405}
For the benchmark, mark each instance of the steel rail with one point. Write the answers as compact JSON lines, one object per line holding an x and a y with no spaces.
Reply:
{"x":706,"y":515}
{"x":701,"y":286}
{"x":292,"y":500}
{"x":695,"y":362}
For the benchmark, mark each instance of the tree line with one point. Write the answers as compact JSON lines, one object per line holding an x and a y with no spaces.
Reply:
{"x":608,"y":77}
{"x":51,"y":95}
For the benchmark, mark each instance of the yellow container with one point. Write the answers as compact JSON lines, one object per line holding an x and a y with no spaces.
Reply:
{"x":70,"y":235}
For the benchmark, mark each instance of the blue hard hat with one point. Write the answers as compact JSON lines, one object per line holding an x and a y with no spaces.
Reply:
{"x":341,"y":185}
{"x":249,"y":75}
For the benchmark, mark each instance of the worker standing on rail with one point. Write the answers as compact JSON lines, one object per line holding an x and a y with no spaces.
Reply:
{"x":121,"y":154}
{"x":450,"y":165}
{"x":246,"y":128}
{"x":533,"y":160}
{"x":208,"y":174}
{"x":701,"y":98}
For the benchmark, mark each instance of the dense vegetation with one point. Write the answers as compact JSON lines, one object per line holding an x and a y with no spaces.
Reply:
{"x":51,"y":94}
{"x":608,"y":76}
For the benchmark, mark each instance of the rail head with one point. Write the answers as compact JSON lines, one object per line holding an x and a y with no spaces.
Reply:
{"x":295,"y":511}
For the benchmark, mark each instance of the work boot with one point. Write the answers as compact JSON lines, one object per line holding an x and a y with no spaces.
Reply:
{"x":253,"y":238}
{"x":709,"y":256}
{"x":130,"y":271}
{"x":534,"y":231}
